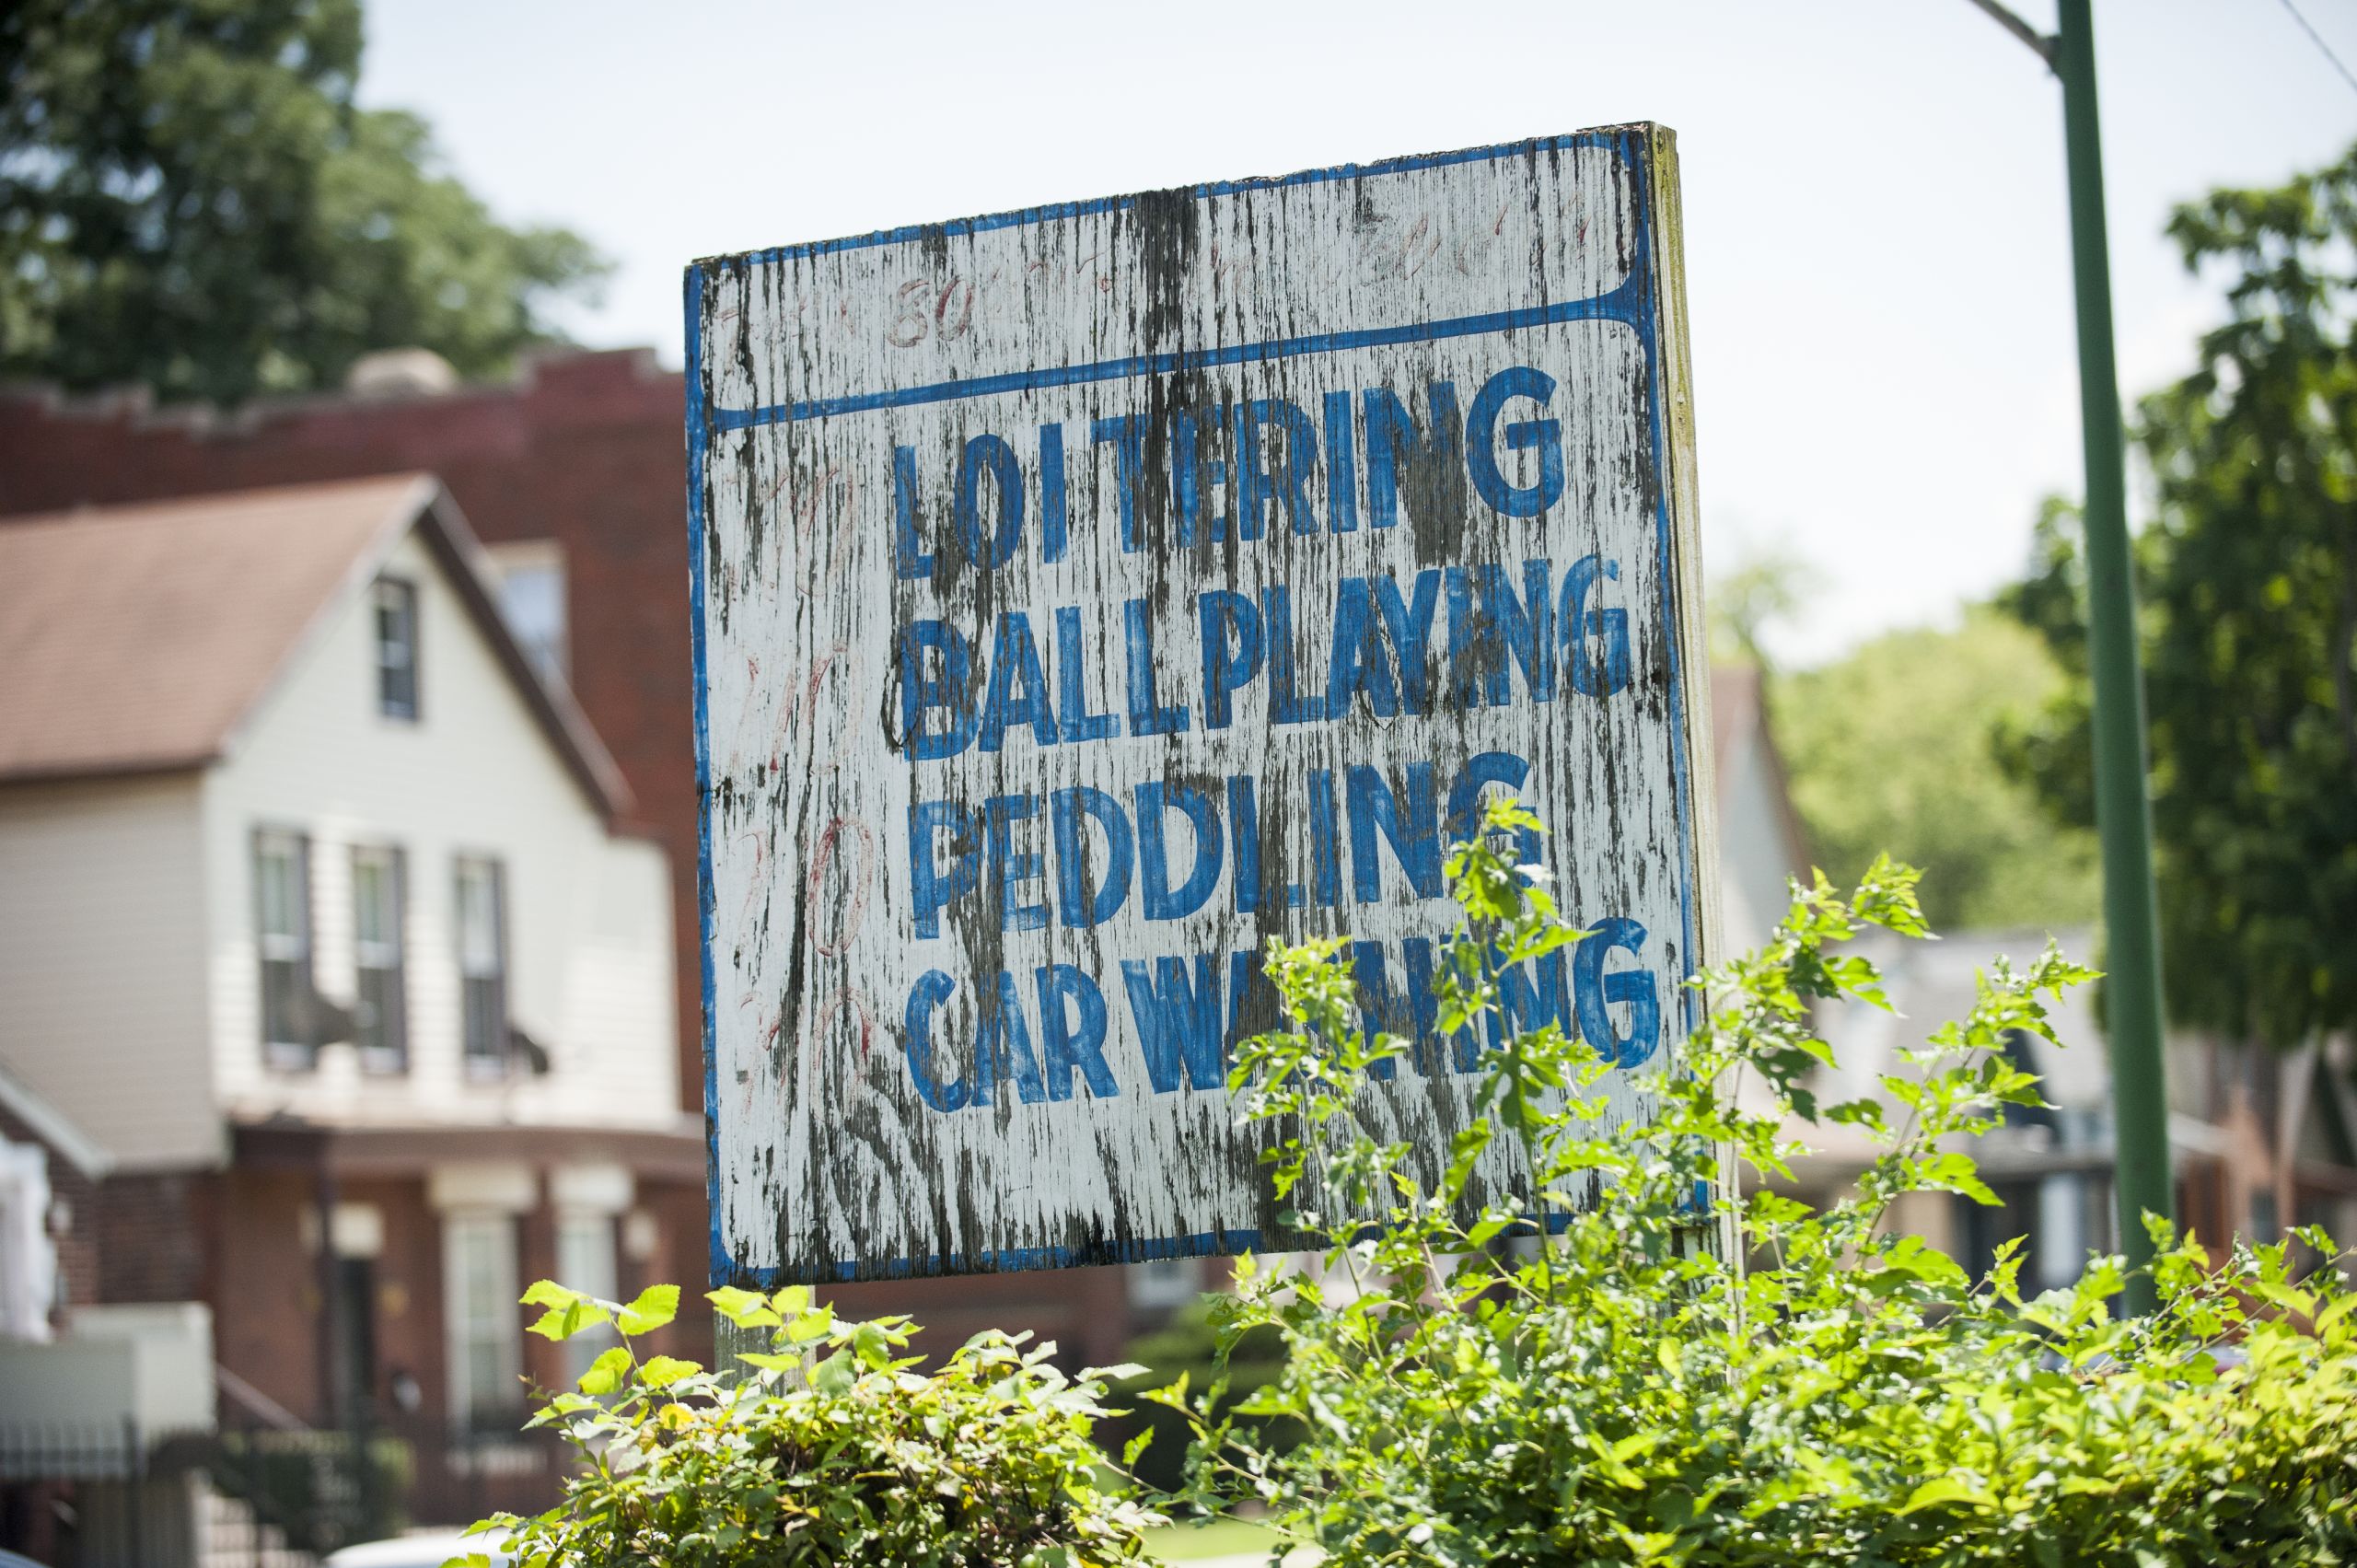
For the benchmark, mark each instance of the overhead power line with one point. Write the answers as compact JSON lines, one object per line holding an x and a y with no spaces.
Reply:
{"x":2322,"y":47}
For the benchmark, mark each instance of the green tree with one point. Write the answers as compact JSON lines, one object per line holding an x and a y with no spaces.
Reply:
{"x":1893,"y":747}
{"x":189,"y":199}
{"x":2248,"y":581}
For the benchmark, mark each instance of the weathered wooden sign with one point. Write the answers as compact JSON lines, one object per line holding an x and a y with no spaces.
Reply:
{"x":1084,"y":594}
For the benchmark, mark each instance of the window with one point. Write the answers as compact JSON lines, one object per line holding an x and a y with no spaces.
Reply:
{"x":479,"y":1294}
{"x":396,"y":611}
{"x":1166,"y":1282}
{"x":380,"y":1016}
{"x":531,"y":598}
{"x":282,"y":941}
{"x":483,"y":966}
{"x":584,"y":1261}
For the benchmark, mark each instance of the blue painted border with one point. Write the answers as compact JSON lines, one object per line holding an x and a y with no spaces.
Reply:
{"x":720,"y":1267}
{"x":1635,"y":302}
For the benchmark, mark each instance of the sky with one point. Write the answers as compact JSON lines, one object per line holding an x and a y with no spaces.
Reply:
{"x":1876,"y":251}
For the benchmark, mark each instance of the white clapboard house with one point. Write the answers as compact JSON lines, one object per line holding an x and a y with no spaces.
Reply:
{"x":347,"y":1008}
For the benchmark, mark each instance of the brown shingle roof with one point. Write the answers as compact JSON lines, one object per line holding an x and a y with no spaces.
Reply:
{"x":139,"y":638}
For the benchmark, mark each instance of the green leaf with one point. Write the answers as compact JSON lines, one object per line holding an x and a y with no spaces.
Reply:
{"x":662,"y":1371}
{"x":563,"y":1322}
{"x":656,"y":1305}
{"x":1946,"y":1491}
{"x":606,"y":1374}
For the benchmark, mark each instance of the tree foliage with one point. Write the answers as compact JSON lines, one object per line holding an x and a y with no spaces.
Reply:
{"x":189,"y":199}
{"x":1893,"y":746}
{"x":1619,"y":1395}
{"x":2248,"y":581}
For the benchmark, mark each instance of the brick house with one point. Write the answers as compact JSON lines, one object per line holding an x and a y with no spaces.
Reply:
{"x":340,"y":999}
{"x":574,"y":476}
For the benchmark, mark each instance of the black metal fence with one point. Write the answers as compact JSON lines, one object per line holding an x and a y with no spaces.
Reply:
{"x":266,"y":1497}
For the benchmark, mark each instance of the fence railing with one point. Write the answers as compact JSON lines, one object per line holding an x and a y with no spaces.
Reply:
{"x":254,"y":1496}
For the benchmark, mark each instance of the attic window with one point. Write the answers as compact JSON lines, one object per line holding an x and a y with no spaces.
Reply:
{"x":396,"y":614}
{"x":532,"y":596}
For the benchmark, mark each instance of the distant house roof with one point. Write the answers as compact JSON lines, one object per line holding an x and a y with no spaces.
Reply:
{"x":1740,"y":707}
{"x":142,"y":638}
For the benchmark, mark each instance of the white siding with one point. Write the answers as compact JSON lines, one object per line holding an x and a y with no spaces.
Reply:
{"x":102,"y":923}
{"x":1756,"y":851}
{"x":588,"y":950}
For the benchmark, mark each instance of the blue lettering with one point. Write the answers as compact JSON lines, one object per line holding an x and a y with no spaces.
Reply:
{"x":1595,"y":672}
{"x":930,"y":890}
{"x":991,"y":454}
{"x":1357,"y":666}
{"x":1481,"y":768}
{"x":1342,"y":471}
{"x":1178,"y":1021}
{"x":1244,"y":831}
{"x":1415,"y":842}
{"x":1053,"y":503}
{"x":1064,"y":1046}
{"x":1286,"y":705}
{"x":1226,"y":668}
{"x":1394,"y":440}
{"x":1077,"y":905}
{"x":1547,"y":434}
{"x":911,"y":560}
{"x":932,"y":988}
{"x":1127,"y":435}
{"x":951,"y":689}
{"x":1410,"y":627}
{"x":1008,"y":869}
{"x":1325,"y":840}
{"x":1598,"y":991}
{"x":1018,"y":691}
{"x":1145,"y":718}
{"x":1075,"y":723}
{"x":1159,"y":900}
{"x":1004,"y":1042}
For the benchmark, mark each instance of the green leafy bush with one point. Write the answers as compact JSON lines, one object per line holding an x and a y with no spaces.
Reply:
{"x":1189,"y":1346}
{"x":832,"y":1448}
{"x":1625,"y":1394}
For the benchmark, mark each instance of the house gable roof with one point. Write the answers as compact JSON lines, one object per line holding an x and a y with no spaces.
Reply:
{"x":144,"y":638}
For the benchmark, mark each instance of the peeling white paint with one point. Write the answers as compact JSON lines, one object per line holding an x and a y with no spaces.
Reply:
{"x":847,"y":1144}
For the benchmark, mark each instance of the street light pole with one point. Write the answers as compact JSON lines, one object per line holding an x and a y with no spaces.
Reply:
{"x":2142,"y":1183}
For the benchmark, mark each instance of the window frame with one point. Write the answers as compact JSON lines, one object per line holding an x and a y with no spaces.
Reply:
{"x":398,"y":596}
{"x":499,"y":1062}
{"x":500,"y":1328}
{"x":390,"y":1055}
{"x":301,"y":951}
{"x":598,"y":1275}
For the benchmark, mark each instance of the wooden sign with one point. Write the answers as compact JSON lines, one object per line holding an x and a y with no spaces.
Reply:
{"x":1084,"y":594}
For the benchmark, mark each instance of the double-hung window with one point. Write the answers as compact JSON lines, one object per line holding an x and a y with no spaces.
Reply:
{"x":484,"y":1329}
{"x":283,"y":943}
{"x":380,"y":1017}
{"x":395,"y":603}
{"x":483,"y":966}
{"x":586,"y":1262}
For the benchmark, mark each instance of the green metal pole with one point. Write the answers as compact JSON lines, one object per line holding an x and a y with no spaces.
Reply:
{"x":2123,"y":806}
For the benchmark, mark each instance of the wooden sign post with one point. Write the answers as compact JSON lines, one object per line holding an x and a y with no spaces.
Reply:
{"x":1084,"y":594}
